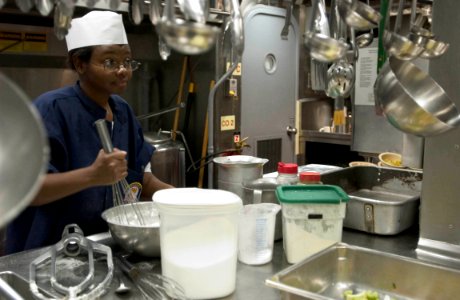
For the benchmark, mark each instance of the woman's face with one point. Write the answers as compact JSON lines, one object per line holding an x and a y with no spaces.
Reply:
{"x":106,"y":72}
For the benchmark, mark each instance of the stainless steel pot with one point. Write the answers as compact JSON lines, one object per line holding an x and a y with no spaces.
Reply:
{"x":233,"y":170}
{"x":168,"y":160}
{"x":262,"y":190}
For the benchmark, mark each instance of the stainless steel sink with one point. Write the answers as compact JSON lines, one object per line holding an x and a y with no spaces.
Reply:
{"x":382,"y":200}
{"x":342,"y":267}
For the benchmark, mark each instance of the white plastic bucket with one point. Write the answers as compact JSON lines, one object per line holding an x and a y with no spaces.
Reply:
{"x":199,"y":239}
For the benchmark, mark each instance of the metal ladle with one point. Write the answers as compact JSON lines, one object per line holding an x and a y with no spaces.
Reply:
{"x":185,"y":36}
{"x":44,"y":6}
{"x":395,"y":43}
{"x":432,"y":47}
{"x":341,"y":74}
{"x":358,"y":15}
{"x":322,"y":47}
{"x":194,"y":10}
{"x":155,"y":18}
{"x":365,"y":39}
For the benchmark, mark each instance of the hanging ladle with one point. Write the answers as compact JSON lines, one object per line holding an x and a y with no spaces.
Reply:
{"x":194,"y":10}
{"x":186,"y":37}
{"x":322,"y":47}
{"x":155,"y":18}
{"x":395,"y":43}
{"x":341,"y":74}
{"x":358,"y":15}
{"x":365,"y":39}
{"x":424,"y":37}
{"x":44,"y":6}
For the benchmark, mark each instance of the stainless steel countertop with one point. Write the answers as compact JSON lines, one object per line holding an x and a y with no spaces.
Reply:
{"x":250,"y":282}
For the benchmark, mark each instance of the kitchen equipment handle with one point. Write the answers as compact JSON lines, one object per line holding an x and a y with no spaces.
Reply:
{"x":101,"y":126}
{"x":257,"y":196}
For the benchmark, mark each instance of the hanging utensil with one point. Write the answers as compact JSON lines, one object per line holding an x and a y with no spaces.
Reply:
{"x":135,"y":11}
{"x":318,"y":69}
{"x":341,"y":74}
{"x":365,"y":39}
{"x":155,"y":18}
{"x":358,"y":15}
{"x":425,"y":37}
{"x":194,"y":10}
{"x":412,"y":101}
{"x":63,"y":13}
{"x":395,"y":43}
{"x":44,"y":6}
{"x":114,"y":4}
{"x":322,"y":47}
{"x":186,"y":37}
{"x":25,"y":5}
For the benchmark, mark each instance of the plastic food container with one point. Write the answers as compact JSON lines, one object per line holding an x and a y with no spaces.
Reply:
{"x":312,"y":218}
{"x":199,"y":239}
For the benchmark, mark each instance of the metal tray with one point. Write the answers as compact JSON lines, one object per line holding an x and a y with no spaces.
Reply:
{"x":382,"y":200}
{"x":341,"y":267}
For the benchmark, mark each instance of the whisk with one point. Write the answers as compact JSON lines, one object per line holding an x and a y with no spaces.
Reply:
{"x":121,"y":191}
{"x":152,"y":285}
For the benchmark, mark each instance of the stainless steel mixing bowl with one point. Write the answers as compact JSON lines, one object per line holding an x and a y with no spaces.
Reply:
{"x":143,"y":240}
{"x":24,"y":150}
{"x":412,"y":101}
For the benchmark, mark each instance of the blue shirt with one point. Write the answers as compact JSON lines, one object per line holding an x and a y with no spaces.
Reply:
{"x":69,"y":116}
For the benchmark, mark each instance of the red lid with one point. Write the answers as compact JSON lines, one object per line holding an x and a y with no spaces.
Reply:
{"x":287,"y":168}
{"x":309,"y":177}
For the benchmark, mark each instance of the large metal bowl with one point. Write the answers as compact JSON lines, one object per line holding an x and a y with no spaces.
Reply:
{"x":412,"y":101}
{"x":24,"y":150}
{"x":142,"y":240}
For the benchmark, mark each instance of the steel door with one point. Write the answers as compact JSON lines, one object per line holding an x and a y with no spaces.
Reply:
{"x":269,"y":79}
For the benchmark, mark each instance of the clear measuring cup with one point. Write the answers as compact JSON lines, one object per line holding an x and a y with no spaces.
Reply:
{"x":256,"y":233}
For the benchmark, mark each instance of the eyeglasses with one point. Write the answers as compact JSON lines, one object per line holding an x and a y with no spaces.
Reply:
{"x":113,"y":66}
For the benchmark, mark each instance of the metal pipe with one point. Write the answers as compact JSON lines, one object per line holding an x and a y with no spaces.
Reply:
{"x":163,"y":111}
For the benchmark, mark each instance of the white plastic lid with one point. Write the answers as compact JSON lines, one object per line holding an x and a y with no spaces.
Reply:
{"x":239,"y":159}
{"x":195,"y":198}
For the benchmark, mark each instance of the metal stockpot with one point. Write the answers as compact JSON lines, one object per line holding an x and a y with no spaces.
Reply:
{"x":233,"y":170}
{"x":262,"y":190}
{"x":168,"y":160}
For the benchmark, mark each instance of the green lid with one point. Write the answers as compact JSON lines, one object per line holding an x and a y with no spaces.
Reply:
{"x":311,"y":193}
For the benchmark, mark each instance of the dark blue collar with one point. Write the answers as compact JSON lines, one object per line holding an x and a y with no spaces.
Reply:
{"x":96,"y":110}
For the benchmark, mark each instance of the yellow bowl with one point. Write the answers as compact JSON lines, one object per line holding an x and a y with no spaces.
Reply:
{"x":391,"y":159}
{"x":361,"y":163}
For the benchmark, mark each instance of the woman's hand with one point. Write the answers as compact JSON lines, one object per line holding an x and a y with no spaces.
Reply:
{"x":109,"y":168}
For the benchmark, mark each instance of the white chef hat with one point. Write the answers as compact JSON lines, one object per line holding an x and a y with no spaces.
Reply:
{"x":96,"y":28}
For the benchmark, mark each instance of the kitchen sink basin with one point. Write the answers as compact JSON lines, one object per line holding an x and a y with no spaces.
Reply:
{"x":342,"y":267}
{"x":382,"y":200}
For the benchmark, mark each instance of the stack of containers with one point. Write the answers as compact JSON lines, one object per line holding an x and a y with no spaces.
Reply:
{"x":312,"y":218}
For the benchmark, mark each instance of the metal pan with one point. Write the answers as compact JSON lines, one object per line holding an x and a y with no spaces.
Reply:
{"x":23,"y":150}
